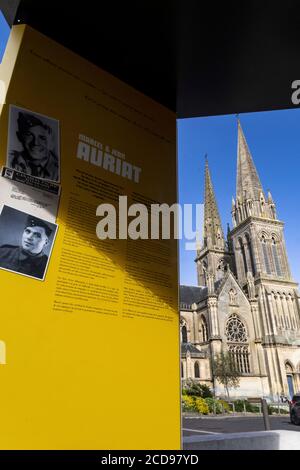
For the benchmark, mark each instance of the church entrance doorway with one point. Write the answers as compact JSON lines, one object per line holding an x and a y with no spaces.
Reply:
{"x":290,"y":378}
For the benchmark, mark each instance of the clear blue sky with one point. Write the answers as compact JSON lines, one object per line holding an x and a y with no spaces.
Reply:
{"x":274,"y":141}
{"x":4,"y":32}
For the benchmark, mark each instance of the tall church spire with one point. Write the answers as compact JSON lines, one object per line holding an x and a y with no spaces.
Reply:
{"x":250,"y":198}
{"x":248,"y":185}
{"x":213,"y":233}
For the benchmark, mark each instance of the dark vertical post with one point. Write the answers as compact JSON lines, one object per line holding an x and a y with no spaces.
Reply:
{"x":265,"y":414}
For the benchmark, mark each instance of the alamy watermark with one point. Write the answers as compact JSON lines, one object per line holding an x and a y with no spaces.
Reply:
{"x":157,"y":221}
{"x":296,"y":93}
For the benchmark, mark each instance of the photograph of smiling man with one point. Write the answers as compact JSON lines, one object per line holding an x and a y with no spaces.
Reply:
{"x":33,"y":145}
{"x":25,"y":243}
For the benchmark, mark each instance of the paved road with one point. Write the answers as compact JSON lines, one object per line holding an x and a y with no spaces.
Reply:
{"x":212,"y":425}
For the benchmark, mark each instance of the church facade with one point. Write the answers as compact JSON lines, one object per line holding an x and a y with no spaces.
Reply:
{"x":246,"y":302}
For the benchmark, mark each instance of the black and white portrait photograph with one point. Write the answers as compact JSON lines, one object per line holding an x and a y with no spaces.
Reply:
{"x":25,"y":242}
{"x":33,"y":144}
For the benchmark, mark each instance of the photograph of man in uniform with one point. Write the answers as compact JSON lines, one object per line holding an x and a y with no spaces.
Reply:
{"x":33,"y":146}
{"x":30,"y":255}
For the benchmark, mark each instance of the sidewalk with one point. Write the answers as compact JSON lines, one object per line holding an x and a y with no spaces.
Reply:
{"x":261,"y":440}
{"x":229,"y":415}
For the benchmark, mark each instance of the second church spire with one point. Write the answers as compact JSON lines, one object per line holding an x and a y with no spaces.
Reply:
{"x":213,"y":232}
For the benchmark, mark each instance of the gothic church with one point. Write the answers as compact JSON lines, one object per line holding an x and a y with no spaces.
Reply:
{"x":246,"y":302}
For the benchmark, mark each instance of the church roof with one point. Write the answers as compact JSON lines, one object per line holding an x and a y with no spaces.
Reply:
{"x":189,"y":295}
{"x":190,"y":348}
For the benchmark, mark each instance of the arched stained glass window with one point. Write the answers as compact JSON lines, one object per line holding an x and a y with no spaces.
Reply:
{"x":197,"y":370}
{"x":249,"y":246}
{"x":236,"y":334}
{"x":204,"y":330}
{"x":266,"y":255}
{"x":235,"y":330}
{"x":184,"y":334}
{"x":276,"y":257}
{"x":240,"y":357}
{"x":242,"y":248}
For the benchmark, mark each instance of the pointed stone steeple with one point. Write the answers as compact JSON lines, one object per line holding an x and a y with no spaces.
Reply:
{"x":248,"y":185}
{"x":250,"y":197}
{"x":213,"y":232}
{"x":213,"y":256}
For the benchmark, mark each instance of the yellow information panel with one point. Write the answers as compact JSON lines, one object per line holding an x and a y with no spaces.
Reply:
{"x":89,"y":328}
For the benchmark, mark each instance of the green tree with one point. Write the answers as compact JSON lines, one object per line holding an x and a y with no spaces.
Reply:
{"x":225,"y":371}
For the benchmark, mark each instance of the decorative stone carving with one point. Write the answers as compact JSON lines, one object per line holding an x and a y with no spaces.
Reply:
{"x":250,"y":284}
{"x":232,"y":296}
{"x":210,"y":282}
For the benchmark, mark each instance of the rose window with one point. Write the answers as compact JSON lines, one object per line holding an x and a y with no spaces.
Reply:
{"x":235,"y":330}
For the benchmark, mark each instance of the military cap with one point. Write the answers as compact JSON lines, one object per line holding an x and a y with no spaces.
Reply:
{"x":26,"y":121}
{"x":35,"y":222}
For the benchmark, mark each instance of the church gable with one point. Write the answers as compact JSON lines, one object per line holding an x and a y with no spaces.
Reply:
{"x":232,"y":291}
{"x":232,"y":301}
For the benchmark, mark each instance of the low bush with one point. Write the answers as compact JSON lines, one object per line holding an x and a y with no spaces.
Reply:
{"x":242,"y":405}
{"x":214,"y":406}
{"x":255,"y":409}
{"x":193,"y":403}
{"x":225,"y":405}
{"x":201,"y":406}
{"x":271,"y":410}
{"x":274,"y":409}
{"x":193,"y":388}
{"x":188,"y":403}
{"x":206,"y":391}
{"x":284,"y":411}
{"x":239,"y":406}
